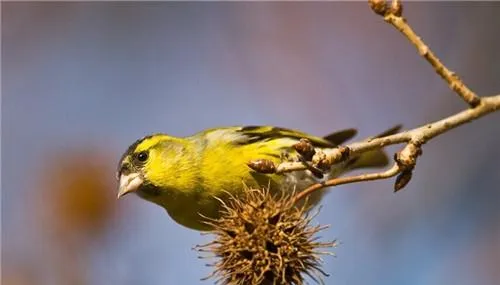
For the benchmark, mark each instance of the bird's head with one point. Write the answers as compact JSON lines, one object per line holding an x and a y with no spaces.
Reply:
{"x":164,"y":170}
{"x":148,"y":165}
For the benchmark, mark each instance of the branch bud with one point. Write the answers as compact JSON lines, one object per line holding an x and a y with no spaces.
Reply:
{"x":378,"y":6}
{"x":402,"y":180}
{"x":325,"y":161}
{"x":264,"y":166}
{"x":305,"y":149}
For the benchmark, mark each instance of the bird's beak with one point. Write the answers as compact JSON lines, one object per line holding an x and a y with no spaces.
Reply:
{"x":129,"y":183}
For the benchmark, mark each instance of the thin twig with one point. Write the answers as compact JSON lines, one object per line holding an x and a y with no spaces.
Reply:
{"x":395,"y":18}
{"x":391,"y":172}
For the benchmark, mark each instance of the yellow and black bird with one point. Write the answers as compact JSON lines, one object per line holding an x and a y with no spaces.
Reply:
{"x":184,"y":175}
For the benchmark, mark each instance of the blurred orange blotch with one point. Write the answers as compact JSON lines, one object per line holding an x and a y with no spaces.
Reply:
{"x":77,"y":200}
{"x":79,"y":193}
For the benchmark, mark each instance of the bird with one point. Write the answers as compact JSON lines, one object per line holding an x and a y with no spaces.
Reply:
{"x":190,"y":176}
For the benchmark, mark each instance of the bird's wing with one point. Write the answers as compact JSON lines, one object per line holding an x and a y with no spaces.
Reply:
{"x":253,"y":134}
{"x":340,"y":137}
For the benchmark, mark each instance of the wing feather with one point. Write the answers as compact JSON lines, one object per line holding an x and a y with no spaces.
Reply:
{"x":267,"y":133}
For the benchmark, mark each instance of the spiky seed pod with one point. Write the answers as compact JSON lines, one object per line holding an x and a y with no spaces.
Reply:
{"x":262,"y":239}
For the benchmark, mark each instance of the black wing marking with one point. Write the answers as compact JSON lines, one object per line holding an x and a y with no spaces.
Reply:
{"x":266,"y":133}
{"x":341,"y":137}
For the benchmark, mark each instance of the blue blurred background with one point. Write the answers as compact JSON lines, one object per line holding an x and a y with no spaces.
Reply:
{"x":82,"y":81}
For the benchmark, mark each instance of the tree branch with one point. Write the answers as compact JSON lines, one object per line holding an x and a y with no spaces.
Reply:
{"x":418,"y":135}
{"x":405,"y":160}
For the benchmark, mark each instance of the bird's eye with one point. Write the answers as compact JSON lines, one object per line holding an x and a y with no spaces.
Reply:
{"x":142,"y":156}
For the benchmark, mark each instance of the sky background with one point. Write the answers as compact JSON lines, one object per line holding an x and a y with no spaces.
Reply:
{"x":82,"y":81}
